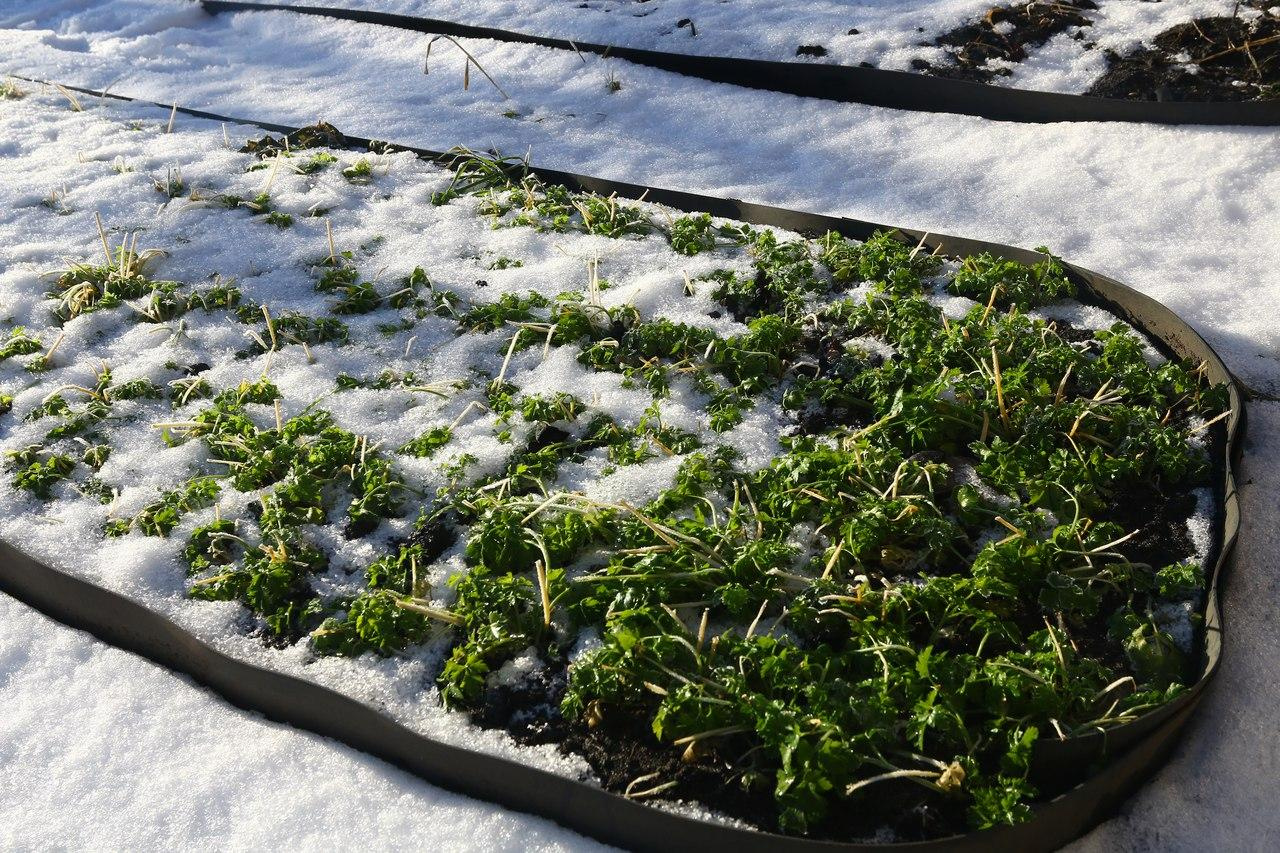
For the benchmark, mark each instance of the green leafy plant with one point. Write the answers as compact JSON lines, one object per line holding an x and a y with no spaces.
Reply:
{"x":429,"y":442}
{"x":359,"y":172}
{"x":39,"y":476}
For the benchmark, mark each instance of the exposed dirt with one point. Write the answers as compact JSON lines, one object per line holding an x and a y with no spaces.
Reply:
{"x":1208,"y":59}
{"x":1004,"y":33}
{"x":435,"y":535}
{"x":1159,"y":521}
{"x":530,"y":709}
{"x":319,"y":135}
{"x":625,"y":755}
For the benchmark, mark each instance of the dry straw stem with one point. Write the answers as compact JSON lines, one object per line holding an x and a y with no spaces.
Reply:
{"x":418,"y":605}
{"x":466,"y":410}
{"x":632,"y":794}
{"x":1247,"y":47}
{"x":333,"y":252}
{"x":546,"y":593}
{"x":995,"y":366}
{"x":70,"y":96}
{"x":271,"y":327}
{"x":466,"y":71}
{"x":506,"y":362}
{"x":1210,"y":422}
{"x":102,"y":235}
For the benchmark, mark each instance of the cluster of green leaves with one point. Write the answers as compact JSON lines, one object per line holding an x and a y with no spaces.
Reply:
{"x":84,"y":288}
{"x":359,"y":172}
{"x":340,"y":277}
{"x":37,"y":471}
{"x":19,"y":343}
{"x":692,"y":235}
{"x":308,"y":464}
{"x":272,"y":581}
{"x":374,"y":621}
{"x":318,"y":161}
{"x":515,"y":197}
{"x":162,"y":515}
{"x":210,"y":545}
{"x":292,"y":327}
{"x":385,"y":380}
{"x":220,"y":296}
{"x":1005,"y":282}
{"x":39,"y":466}
{"x":633,"y":445}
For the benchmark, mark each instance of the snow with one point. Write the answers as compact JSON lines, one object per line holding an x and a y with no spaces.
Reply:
{"x":384,"y":220}
{"x":890,"y":33}
{"x":104,"y":751}
{"x":1187,"y":215}
{"x":516,"y":670}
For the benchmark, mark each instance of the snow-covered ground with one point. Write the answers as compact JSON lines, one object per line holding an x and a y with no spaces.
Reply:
{"x":1187,"y":216}
{"x":104,"y":751}
{"x":885,"y":33}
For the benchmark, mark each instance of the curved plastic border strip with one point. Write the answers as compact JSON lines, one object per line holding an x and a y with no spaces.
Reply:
{"x":878,"y":87}
{"x":1132,"y":751}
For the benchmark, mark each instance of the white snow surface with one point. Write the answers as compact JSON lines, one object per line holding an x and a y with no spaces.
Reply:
{"x":886,"y":33}
{"x":104,"y":751}
{"x":1187,"y":215}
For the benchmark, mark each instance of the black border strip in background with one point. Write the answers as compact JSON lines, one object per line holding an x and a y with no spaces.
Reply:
{"x":878,"y":87}
{"x":1132,"y":751}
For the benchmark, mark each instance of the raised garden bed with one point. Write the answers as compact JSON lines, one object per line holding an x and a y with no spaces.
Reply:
{"x":827,"y":536}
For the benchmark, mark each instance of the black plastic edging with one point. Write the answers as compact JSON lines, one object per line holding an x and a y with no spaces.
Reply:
{"x":878,"y":87}
{"x":1132,"y":751}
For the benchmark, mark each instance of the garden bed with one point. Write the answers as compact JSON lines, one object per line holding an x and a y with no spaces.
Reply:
{"x":711,"y":512}
{"x":1106,"y":48}
{"x":1039,"y":54}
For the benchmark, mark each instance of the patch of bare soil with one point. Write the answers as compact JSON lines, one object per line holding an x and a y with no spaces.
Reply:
{"x":1004,"y":33}
{"x":1209,"y":59}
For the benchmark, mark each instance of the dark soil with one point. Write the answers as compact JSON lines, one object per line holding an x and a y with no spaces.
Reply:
{"x":974,"y":44}
{"x":1160,"y":521}
{"x":529,"y":710}
{"x":319,"y":135}
{"x":436,"y":535}
{"x":1231,"y":59}
{"x":621,"y":750}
